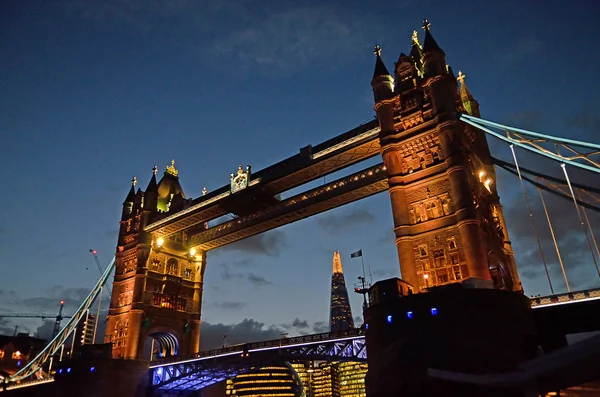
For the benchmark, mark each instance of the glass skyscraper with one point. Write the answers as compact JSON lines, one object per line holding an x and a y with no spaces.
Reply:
{"x":340,"y":313}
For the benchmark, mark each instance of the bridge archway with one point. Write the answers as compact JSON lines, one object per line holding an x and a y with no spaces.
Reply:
{"x":161,"y":343}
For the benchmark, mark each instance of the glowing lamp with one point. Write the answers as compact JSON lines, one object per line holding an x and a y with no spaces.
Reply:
{"x":62,"y":302}
{"x":426,"y":276}
{"x":487,"y":184}
{"x":192,"y":252}
{"x":159,"y":242}
{"x":481,"y":175}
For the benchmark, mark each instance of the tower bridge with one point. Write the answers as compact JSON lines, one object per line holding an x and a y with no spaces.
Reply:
{"x":447,"y":218}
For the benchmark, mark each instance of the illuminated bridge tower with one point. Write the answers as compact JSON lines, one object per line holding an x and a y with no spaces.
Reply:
{"x":448,"y":220}
{"x":340,"y":313}
{"x":157,"y":289}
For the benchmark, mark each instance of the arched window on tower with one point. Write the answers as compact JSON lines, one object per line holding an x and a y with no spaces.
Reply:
{"x":172,"y":267}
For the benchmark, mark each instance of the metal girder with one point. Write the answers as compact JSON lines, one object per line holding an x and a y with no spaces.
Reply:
{"x":585,"y":155}
{"x":342,"y":191}
{"x":358,"y":144}
{"x":213,"y":366}
{"x":51,"y":348}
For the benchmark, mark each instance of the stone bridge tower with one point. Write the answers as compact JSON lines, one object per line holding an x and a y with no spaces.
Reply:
{"x":157,"y":289}
{"x":448,"y":220}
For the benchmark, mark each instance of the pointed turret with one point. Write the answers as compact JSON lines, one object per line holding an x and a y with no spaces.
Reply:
{"x":168,"y":187}
{"x":416,"y":53}
{"x":151,"y":196}
{"x":340,"y":313}
{"x":129,"y":200}
{"x":382,"y":82}
{"x":434,"y":58}
{"x":380,"y":69}
{"x":429,"y":44}
{"x":467,"y":99}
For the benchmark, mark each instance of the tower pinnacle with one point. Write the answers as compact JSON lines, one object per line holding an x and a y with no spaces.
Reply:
{"x":337,"y":263}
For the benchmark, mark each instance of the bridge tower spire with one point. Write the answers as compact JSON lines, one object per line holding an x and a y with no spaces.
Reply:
{"x":447,"y":215}
{"x":157,"y":287}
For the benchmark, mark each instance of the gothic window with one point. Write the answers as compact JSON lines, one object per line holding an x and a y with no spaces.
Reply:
{"x":451,"y":243}
{"x":426,"y":264}
{"x":429,"y":210}
{"x":442,"y":278}
{"x":439,"y":258}
{"x":156,"y":299}
{"x":454,"y":259}
{"x":411,"y":216}
{"x":435,"y":209}
{"x":423,"y":250}
{"x":446,"y":206}
{"x":172,"y":267}
{"x":155,"y":265}
{"x":181,"y":304}
{"x":457,"y":273}
{"x":188,"y":273}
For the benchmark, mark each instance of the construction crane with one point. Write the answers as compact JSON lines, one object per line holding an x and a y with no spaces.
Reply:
{"x":57,"y":319}
{"x":95,"y":255}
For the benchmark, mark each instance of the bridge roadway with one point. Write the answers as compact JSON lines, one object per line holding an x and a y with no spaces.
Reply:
{"x":213,"y":366}
{"x":312,"y":163}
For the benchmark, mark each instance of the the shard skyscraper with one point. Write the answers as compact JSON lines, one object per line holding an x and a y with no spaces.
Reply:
{"x":340,"y":313}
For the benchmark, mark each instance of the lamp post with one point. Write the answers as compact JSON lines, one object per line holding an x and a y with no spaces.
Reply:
{"x":426,"y":277}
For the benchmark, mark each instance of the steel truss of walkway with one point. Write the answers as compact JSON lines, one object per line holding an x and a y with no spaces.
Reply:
{"x":205,"y":370}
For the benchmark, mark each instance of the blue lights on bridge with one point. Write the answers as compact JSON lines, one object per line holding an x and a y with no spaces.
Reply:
{"x":409,"y":314}
{"x":92,"y":369}
{"x":434,"y":311}
{"x":389,"y":319}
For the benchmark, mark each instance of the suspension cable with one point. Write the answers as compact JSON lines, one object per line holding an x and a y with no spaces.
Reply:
{"x":587,"y":220}
{"x":537,"y":237}
{"x":582,"y":223}
{"x":562,"y":267}
{"x":505,"y":167}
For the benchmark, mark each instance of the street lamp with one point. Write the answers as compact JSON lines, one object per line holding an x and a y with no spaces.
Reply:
{"x":159,"y":242}
{"x":426,"y":277}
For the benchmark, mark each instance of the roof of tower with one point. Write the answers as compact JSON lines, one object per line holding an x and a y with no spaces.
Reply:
{"x":169,"y":185}
{"x":337,"y":263}
{"x":429,"y":43}
{"x":380,"y":69}
{"x":152,"y":186}
{"x":465,"y":94}
{"x":131,"y":195}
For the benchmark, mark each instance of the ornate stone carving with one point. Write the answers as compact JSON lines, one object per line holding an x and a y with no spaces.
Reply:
{"x":430,"y":208}
{"x":241,"y":179}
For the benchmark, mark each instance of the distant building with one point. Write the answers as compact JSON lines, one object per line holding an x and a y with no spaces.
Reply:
{"x":16,"y":351}
{"x":275,"y":380}
{"x":85,"y":330}
{"x":340,"y":313}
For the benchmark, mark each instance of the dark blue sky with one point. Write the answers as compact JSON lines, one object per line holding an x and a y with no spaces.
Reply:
{"x":95,"y":92}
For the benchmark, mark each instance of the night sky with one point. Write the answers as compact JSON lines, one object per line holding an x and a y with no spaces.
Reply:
{"x":95,"y":92}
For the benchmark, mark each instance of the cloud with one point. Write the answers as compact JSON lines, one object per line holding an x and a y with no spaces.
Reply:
{"x":287,"y":37}
{"x":528,"y":119}
{"x":320,"y":327}
{"x":269,"y":243}
{"x":571,"y":241}
{"x":346,"y":221}
{"x":523,"y":48}
{"x":293,"y":38}
{"x":229,"y":305}
{"x":587,"y":120}
{"x":252,"y":278}
{"x":248,"y":330}
{"x":381,"y":273}
{"x":297,"y":324}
